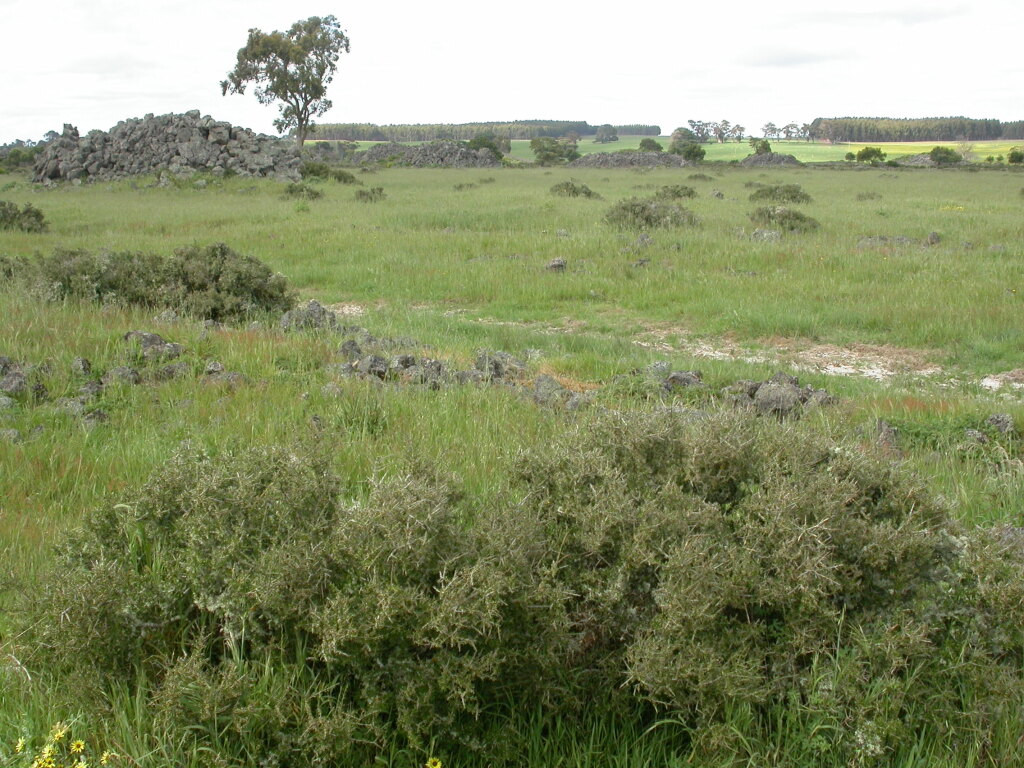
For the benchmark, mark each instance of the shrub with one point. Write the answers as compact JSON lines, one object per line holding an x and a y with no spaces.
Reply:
{"x":784,"y":218}
{"x":862,"y":196}
{"x":302,"y":191}
{"x":870,"y":155}
{"x":849,"y":157}
{"x":28,"y":219}
{"x":210,"y":282}
{"x":699,"y":177}
{"x":650,"y":145}
{"x":780,"y":193}
{"x":675,"y":192}
{"x":637,"y":213}
{"x":691,"y":151}
{"x":574,"y":189}
{"x":1015,"y":156}
{"x":551,"y":151}
{"x":945,"y":156}
{"x":371,"y":195}
{"x":761,"y":146}
{"x":693,"y":565}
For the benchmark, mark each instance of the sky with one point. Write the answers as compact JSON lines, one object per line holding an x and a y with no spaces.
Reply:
{"x":93,"y":63}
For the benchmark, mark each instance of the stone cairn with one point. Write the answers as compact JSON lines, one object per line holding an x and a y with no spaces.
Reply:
{"x":177,"y":144}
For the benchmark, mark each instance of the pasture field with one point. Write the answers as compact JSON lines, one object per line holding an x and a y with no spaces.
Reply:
{"x":805,"y":151}
{"x":926,"y":335}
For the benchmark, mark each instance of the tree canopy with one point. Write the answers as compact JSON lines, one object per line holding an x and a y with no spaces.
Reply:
{"x":293,"y":67}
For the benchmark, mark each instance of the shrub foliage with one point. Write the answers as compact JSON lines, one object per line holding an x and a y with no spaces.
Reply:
{"x":644,"y":561}
{"x":574,"y":189}
{"x":780,"y":193}
{"x":786,"y":218}
{"x":27,"y":219}
{"x":211,"y":281}
{"x":651,"y":213}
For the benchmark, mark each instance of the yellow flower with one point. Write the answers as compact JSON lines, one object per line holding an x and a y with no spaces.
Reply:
{"x":48,"y":751}
{"x":59,"y":732}
{"x":107,"y":757}
{"x":433,"y":763}
{"x":77,"y":746}
{"x":19,"y":747}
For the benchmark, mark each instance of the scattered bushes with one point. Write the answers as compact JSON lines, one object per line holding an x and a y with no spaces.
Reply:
{"x":696,"y":566}
{"x":783,"y":218}
{"x":945,"y":156}
{"x":675,"y":192}
{"x":313,"y":169}
{"x":28,"y":219}
{"x":780,"y":193}
{"x":574,"y":189}
{"x":371,"y":195}
{"x":301,"y":191}
{"x":209,"y":282}
{"x":637,"y":213}
{"x":870,"y":155}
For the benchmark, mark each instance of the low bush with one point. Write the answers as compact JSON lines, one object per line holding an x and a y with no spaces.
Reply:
{"x":637,"y":213}
{"x":699,"y":177}
{"x":780,"y":193}
{"x":870,"y":155}
{"x":314,"y":169}
{"x":205,"y":281}
{"x":683,"y":567}
{"x":301,"y":191}
{"x":945,"y":156}
{"x":1015,"y":156}
{"x":371,"y":195}
{"x":574,"y":189}
{"x":784,"y":218}
{"x":675,"y":192}
{"x":27,"y":219}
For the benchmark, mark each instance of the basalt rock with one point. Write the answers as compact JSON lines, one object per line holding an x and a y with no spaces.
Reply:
{"x":176,"y":144}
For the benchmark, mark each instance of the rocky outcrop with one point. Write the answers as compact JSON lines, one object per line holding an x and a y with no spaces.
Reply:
{"x":177,"y":144}
{"x":445,"y":154}
{"x":628,"y":159}
{"x":769,"y":159}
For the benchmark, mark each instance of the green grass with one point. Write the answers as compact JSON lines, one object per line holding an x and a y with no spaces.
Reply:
{"x":463,"y":270}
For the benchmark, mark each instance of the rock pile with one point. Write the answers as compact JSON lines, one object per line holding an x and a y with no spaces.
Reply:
{"x":769,"y":159}
{"x":628,"y":159}
{"x":446,"y":154}
{"x":178,"y":144}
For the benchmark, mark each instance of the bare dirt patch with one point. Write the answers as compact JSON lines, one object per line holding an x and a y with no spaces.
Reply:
{"x":878,"y":362}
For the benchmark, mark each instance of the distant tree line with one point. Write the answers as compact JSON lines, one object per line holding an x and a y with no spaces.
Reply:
{"x":521,"y":129}
{"x":863,"y":129}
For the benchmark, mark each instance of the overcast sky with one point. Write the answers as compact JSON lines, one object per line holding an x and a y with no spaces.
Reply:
{"x":95,"y":62}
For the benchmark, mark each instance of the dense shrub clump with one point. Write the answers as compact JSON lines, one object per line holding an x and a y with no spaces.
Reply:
{"x":211,"y":281}
{"x":315,"y":169}
{"x":301,"y":191}
{"x":675,"y":192}
{"x":27,"y":219}
{"x":637,"y":213}
{"x":574,"y":189}
{"x":371,"y":195}
{"x":780,"y":193}
{"x":786,"y":218}
{"x":700,"y":567}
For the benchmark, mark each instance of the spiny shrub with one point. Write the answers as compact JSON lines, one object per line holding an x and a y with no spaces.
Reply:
{"x":637,"y":213}
{"x":784,"y":218}
{"x":210,"y":281}
{"x":302,"y":191}
{"x":28,"y":219}
{"x":314,"y":169}
{"x":573,"y":189}
{"x":645,"y":561}
{"x":675,"y":192}
{"x":371,"y":195}
{"x":780,"y":193}
{"x":945,"y":156}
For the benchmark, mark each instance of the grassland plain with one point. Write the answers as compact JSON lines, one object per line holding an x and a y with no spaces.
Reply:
{"x":805,"y":151}
{"x":463,"y":269}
